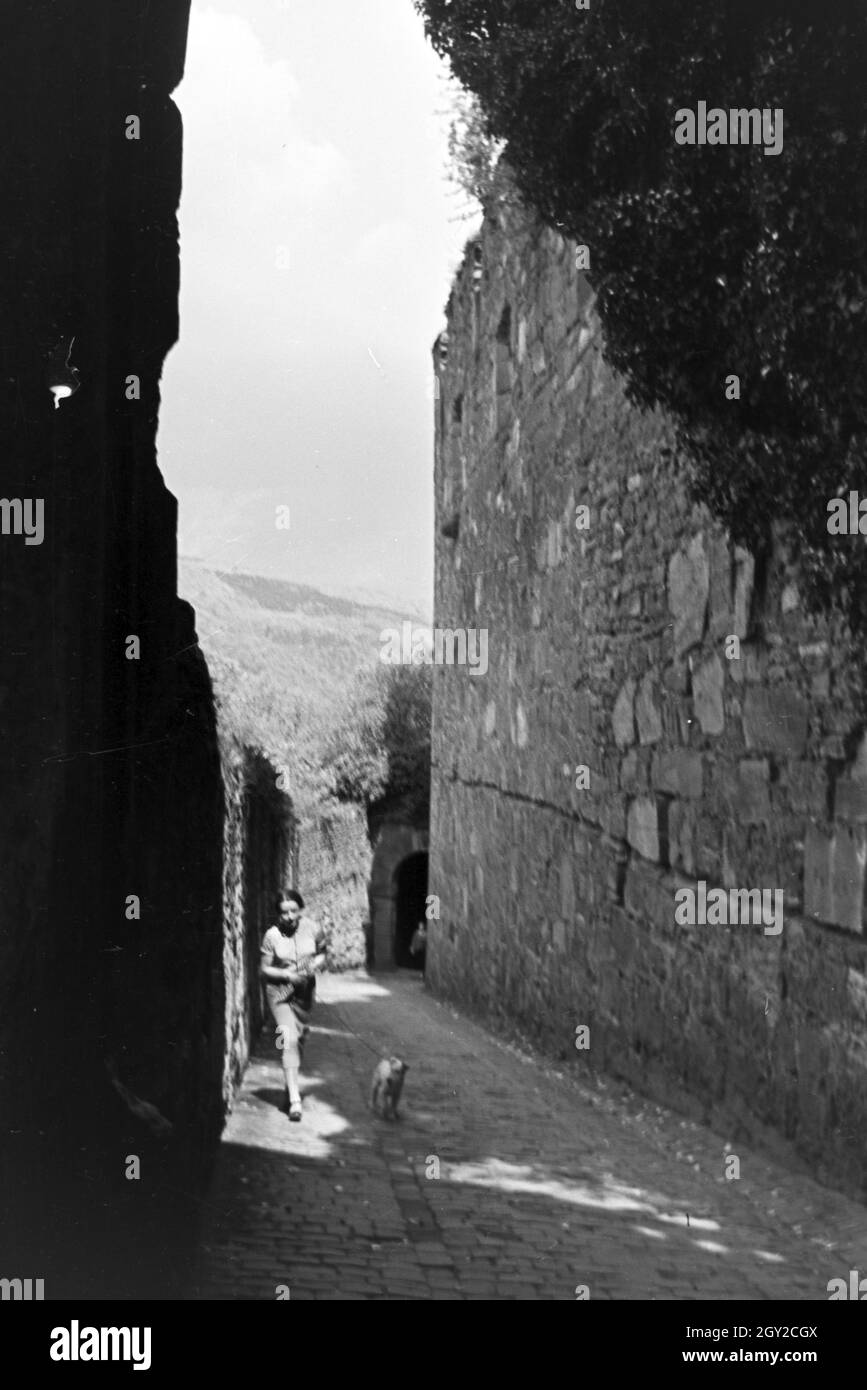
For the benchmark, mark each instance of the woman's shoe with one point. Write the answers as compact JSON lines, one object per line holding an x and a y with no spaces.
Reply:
{"x":295,"y":1110}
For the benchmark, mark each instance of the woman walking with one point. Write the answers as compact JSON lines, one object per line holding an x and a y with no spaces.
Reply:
{"x":292,"y":952}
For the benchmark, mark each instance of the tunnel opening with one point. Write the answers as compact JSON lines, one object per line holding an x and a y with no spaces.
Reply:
{"x":410,"y":901}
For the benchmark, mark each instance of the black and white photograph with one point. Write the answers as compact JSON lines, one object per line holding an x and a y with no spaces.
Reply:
{"x":433,"y":666}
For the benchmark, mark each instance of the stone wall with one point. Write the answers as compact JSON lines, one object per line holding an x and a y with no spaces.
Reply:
{"x":113,"y":807}
{"x":333,"y":868}
{"x":610,"y":650}
{"x":260,"y":855}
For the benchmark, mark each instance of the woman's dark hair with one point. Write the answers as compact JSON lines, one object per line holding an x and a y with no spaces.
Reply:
{"x":294,"y":897}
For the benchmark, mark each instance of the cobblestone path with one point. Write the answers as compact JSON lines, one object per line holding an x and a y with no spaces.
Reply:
{"x":547,"y":1180}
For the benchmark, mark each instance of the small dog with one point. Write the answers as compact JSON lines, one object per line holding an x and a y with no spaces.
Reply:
{"x":387,"y":1086}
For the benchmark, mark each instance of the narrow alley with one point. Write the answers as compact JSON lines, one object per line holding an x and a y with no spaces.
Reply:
{"x":550,"y":1186}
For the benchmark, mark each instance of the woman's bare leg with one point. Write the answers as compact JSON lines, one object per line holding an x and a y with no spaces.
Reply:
{"x":287,"y":1041}
{"x":292,"y":1088}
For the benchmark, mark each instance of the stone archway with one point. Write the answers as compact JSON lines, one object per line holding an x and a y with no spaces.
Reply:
{"x":395,"y":840}
{"x":409,"y":907}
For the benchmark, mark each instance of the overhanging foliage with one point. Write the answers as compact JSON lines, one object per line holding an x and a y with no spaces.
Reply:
{"x":709,"y":260}
{"x":380,"y":749}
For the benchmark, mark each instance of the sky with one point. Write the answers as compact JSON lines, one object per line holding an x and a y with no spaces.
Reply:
{"x":319,"y":238}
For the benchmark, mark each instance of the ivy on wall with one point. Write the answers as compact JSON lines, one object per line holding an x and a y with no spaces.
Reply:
{"x":381,"y":748}
{"x":711,"y":261}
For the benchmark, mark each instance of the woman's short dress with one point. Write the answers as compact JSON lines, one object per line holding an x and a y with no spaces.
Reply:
{"x":290,"y":1006}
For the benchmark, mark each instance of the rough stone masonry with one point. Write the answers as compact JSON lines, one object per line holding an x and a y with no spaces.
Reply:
{"x":741,"y":763}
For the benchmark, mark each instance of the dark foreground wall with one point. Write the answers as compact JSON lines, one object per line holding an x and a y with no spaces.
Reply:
{"x":110,"y":784}
{"x":610,"y":649}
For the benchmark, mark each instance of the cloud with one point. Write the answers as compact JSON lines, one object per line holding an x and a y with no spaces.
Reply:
{"x":257,"y":173}
{"x":315,"y":234}
{"x":382,"y":244}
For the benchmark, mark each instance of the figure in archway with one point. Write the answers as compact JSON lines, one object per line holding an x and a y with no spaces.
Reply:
{"x":418,"y":945}
{"x":410,"y":901}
